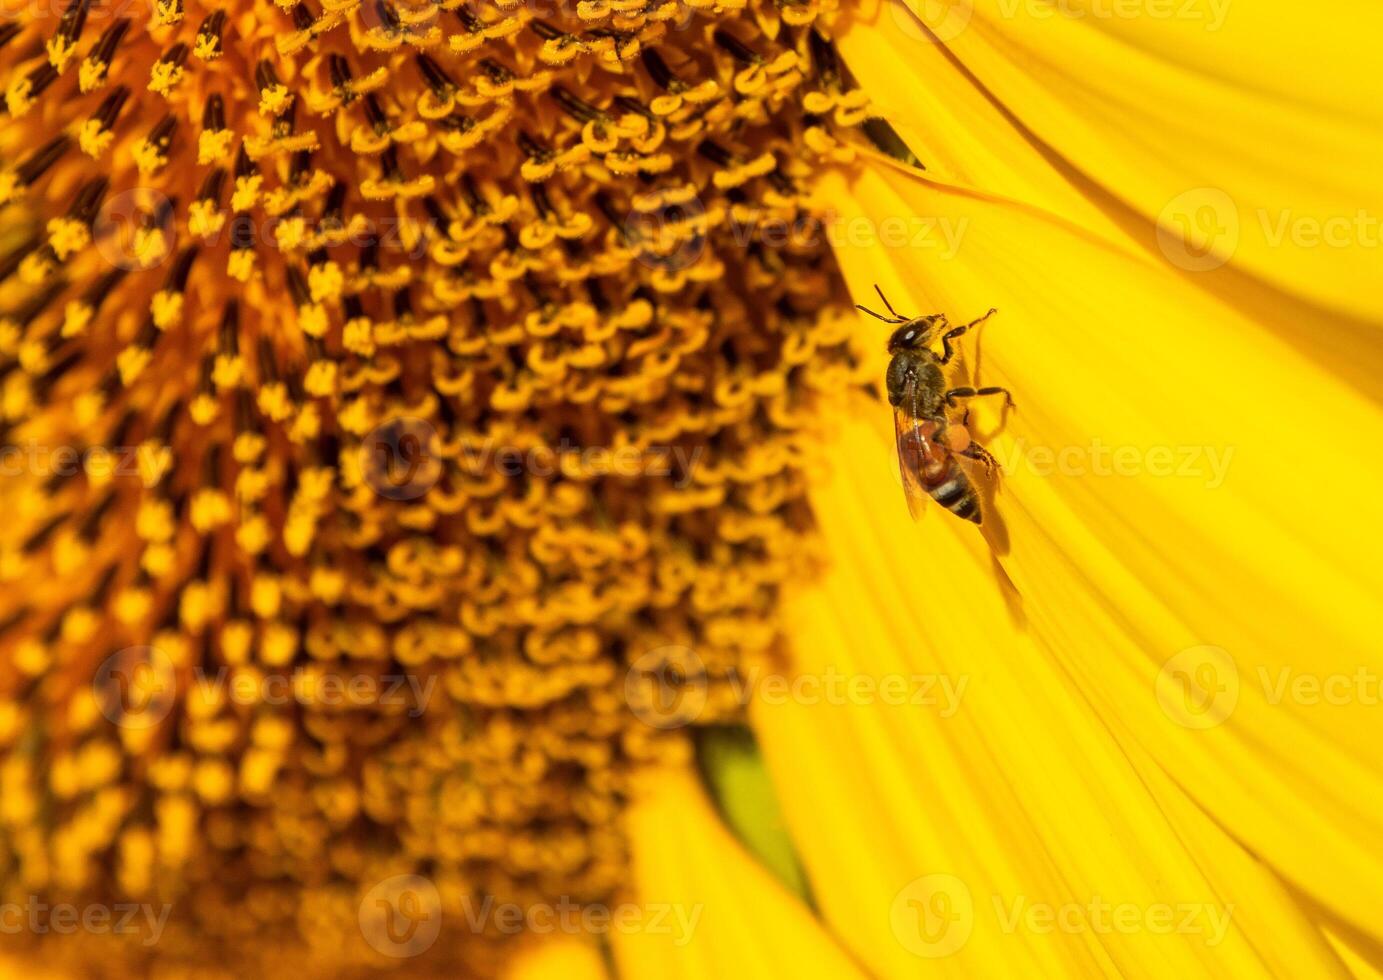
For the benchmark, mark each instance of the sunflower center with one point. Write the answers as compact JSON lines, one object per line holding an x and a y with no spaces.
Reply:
{"x":406,"y":408}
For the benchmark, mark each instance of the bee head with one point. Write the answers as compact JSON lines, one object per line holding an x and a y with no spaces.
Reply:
{"x":916,"y":333}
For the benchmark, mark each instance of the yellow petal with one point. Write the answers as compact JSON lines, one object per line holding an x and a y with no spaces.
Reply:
{"x":1245,"y":140}
{"x":1166,"y":496}
{"x":1358,"y":965}
{"x":939,"y":831}
{"x":961,"y":136}
{"x":719,"y":913}
{"x":971,"y":140}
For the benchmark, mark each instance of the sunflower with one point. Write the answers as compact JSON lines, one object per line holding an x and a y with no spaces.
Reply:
{"x":454,"y":524}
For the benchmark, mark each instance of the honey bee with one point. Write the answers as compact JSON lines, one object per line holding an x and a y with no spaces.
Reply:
{"x":917,"y":391}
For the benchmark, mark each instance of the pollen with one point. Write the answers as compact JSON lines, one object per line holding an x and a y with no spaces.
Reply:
{"x":435,"y":349}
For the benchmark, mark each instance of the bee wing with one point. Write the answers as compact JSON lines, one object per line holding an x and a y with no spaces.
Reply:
{"x":912,"y":451}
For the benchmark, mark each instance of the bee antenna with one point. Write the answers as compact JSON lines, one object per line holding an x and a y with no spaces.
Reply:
{"x":887,"y":304}
{"x":879,"y":316}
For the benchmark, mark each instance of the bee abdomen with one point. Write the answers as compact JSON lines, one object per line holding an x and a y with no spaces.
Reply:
{"x":957,"y":494}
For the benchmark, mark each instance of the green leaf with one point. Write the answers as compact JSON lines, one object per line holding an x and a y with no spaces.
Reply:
{"x":733,"y":770}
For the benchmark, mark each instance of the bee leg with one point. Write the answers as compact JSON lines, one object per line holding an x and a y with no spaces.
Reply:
{"x":968,"y":392}
{"x":949,"y":335}
{"x":977,"y":452}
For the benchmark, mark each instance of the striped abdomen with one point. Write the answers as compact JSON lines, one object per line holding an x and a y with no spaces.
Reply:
{"x":948,"y":485}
